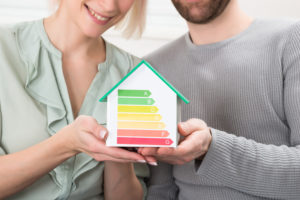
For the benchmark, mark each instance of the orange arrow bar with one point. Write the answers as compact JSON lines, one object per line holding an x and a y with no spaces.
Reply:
{"x":142,"y":133}
{"x":140,"y":125}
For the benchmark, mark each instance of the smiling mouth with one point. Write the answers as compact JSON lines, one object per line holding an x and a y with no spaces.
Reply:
{"x":96,"y":15}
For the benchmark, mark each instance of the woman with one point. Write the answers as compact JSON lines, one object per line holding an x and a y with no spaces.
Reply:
{"x":50,"y":75}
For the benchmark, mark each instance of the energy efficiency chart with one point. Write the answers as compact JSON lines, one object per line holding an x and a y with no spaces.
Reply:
{"x":143,"y":110}
{"x":139,"y":120}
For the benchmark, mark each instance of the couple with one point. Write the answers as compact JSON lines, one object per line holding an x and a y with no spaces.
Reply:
{"x":242,"y":77}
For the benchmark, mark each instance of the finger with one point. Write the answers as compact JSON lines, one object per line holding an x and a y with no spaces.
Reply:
{"x":173,"y":155}
{"x":103,"y":133}
{"x":91,"y":125}
{"x":99,"y":131}
{"x":140,"y":150}
{"x":148,"y":151}
{"x":194,"y":145}
{"x":99,"y":147}
{"x":190,"y":126}
{"x":101,"y":157}
{"x":151,"y":160}
{"x":119,"y":153}
{"x":166,"y":151}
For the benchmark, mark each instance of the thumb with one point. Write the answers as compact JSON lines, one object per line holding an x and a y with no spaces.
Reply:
{"x":99,"y":131}
{"x":103,"y":133}
{"x":190,"y":126}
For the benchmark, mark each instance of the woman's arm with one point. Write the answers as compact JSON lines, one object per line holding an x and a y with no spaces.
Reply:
{"x":19,"y":170}
{"x":120,"y":182}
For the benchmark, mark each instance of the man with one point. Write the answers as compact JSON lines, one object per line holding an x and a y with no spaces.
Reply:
{"x":242,"y":77}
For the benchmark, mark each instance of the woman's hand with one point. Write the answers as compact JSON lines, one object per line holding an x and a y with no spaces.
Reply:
{"x":86,"y":135}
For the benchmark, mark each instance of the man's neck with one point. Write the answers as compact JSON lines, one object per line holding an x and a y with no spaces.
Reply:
{"x":230,"y":23}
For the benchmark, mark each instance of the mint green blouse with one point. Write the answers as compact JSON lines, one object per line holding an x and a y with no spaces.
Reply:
{"x":34,"y":105}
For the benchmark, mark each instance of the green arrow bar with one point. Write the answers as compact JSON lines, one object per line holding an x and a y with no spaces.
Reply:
{"x":135,"y":101}
{"x":134,"y":93}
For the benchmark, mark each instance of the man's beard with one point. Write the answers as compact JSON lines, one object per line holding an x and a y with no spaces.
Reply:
{"x":201,"y":12}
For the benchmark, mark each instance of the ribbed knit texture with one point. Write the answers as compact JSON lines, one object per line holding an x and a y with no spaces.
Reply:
{"x":247,"y":88}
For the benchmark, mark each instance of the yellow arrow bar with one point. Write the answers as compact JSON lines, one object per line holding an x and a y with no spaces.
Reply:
{"x":138,"y":109}
{"x":139,"y":117}
{"x":141,"y":125}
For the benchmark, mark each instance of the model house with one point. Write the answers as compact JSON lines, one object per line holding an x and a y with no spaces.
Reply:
{"x":143,"y":109}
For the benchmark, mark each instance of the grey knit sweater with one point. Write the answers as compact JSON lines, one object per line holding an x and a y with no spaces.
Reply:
{"x":247,"y":88}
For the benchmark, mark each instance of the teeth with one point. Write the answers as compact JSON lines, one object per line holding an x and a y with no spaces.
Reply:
{"x":97,"y":16}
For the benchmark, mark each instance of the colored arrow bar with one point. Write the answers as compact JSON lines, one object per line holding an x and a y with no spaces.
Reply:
{"x":135,"y":101}
{"x":139,"y":117}
{"x":140,"y":125}
{"x":134,"y":93}
{"x":142,"y":133}
{"x":138,"y":109}
{"x":144,"y":141}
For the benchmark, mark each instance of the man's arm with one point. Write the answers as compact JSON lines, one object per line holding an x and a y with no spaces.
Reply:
{"x":263,"y":170}
{"x":238,"y":163}
{"x":161,"y":183}
{"x":253,"y":168}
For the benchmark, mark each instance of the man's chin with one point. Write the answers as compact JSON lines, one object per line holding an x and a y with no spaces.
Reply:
{"x":201,"y":13}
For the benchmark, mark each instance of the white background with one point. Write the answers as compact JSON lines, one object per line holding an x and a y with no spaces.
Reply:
{"x":163,"y":23}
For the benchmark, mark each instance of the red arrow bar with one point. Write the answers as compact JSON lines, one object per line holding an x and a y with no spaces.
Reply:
{"x":144,"y":141}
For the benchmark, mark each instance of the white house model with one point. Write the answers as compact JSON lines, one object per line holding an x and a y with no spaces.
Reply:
{"x":143,"y":109}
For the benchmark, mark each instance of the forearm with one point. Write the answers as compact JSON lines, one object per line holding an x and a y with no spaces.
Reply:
{"x":120,"y":182}
{"x":21,"y":169}
{"x":254,"y":168}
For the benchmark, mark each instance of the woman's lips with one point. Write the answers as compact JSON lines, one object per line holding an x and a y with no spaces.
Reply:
{"x":98,"y":18}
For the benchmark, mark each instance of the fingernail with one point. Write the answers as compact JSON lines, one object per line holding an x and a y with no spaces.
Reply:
{"x":141,"y":161}
{"x":102,"y":134}
{"x":152,"y":163}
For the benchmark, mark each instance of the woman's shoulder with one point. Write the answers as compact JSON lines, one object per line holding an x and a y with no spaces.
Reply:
{"x":119,"y":57}
{"x":8,"y":47}
{"x":8,"y":31}
{"x":12,"y":34}
{"x":6,"y":38}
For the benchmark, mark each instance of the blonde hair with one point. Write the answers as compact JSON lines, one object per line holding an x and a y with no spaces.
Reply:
{"x":133,"y":23}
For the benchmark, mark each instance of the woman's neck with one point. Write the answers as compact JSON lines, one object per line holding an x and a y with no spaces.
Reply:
{"x":67,"y":37}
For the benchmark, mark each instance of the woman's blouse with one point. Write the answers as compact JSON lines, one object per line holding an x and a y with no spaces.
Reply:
{"x":34,"y":105}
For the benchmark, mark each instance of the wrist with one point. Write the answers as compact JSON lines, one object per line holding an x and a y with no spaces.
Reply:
{"x":65,"y":142}
{"x":207,"y":145}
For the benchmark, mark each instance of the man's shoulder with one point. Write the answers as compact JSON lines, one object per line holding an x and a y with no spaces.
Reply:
{"x":167,"y":51}
{"x":275,"y":27}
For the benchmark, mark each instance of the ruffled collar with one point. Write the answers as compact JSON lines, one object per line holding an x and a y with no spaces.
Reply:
{"x":44,"y":74}
{"x":46,"y":84}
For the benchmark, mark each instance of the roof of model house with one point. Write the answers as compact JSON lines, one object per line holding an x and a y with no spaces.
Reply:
{"x":145,"y":64}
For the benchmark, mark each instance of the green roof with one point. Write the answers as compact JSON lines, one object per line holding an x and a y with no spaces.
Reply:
{"x":155,"y":72}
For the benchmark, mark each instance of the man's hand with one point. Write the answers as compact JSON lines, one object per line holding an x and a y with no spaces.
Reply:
{"x":195,"y":141}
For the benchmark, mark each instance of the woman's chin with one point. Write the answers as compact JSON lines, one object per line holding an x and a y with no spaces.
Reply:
{"x":92,"y":33}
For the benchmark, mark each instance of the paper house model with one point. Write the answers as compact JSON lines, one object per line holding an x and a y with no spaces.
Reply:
{"x":143,"y":109}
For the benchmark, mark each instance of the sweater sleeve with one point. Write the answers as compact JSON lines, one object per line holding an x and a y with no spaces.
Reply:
{"x":161,"y":183}
{"x":260,"y":169}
